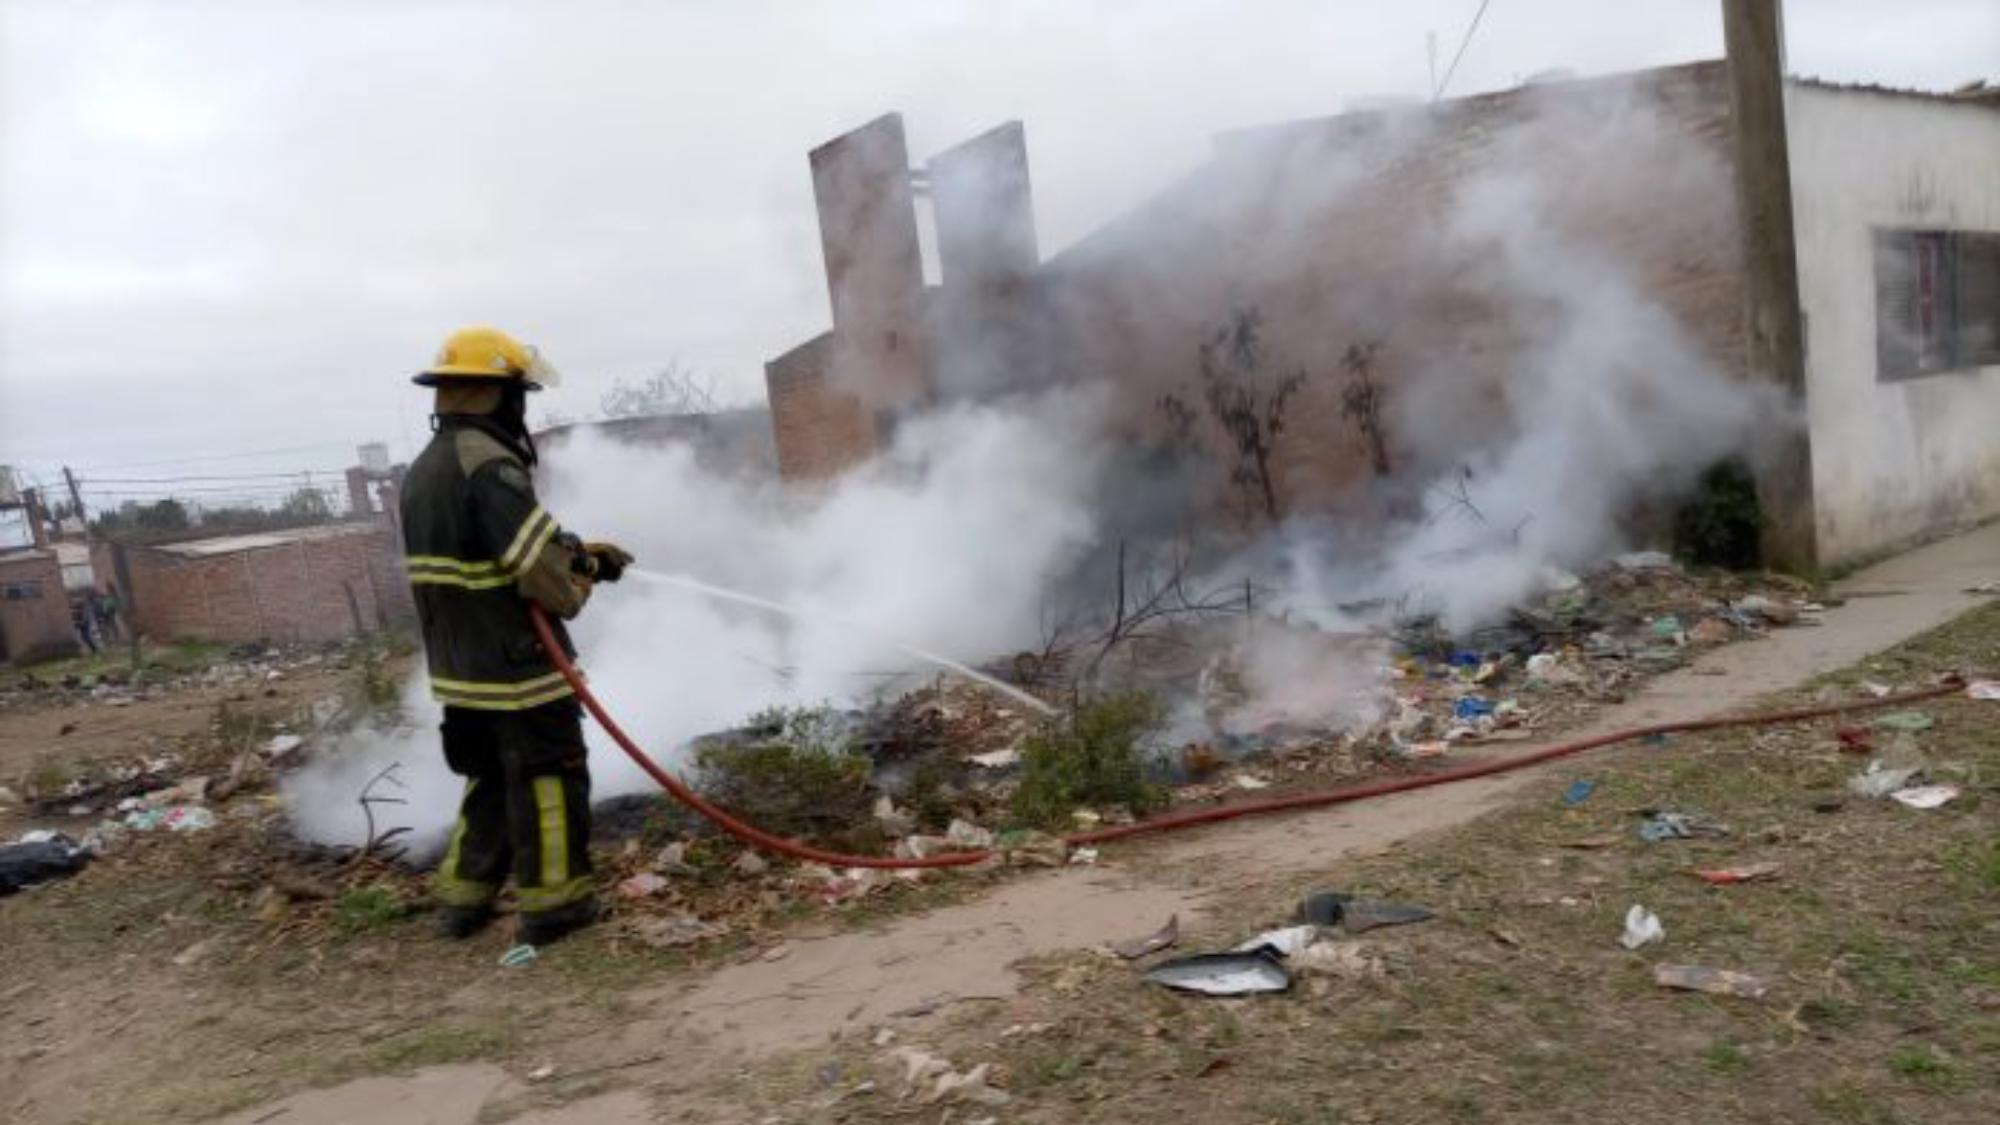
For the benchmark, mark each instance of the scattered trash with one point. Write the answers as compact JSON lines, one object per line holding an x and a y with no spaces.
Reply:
{"x":542,"y":1073}
{"x":519,"y":957}
{"x":1983,"y":689}
{"x":1879,"y":781}
{"x":1678,"y":826}
{"x":1322,"y":908}
{"x":996,"y":759}
{"x":1711,"y":631}
{"x":1250,"y":782}
{"x":932,"y":1079}
{"x":1771,"y":610}
{"x":1720,"y":982}
{"x":968,"y":836}
{"x":1925,"y":796}
{"x":282,"y":744}
{"x":672,"y":859}
{"x":1667,"y":626}
{"x":750,"y":863}
{"x":1578,"y":792}
{"x":643,"y":885}
{"x":1082,"y":857}
{"x":39,"y":858}
{"x":1879,"y":691}
{"x":1749,"y":873}
{"x":1134,"y":948}
{"x":1358,"y":916}
{"x":1347,"y":959}
{"x":188,"y":818}
{"x":1855,"y":740}
{"x":1284,"y":942}
{"x":1472,"y":707}
{"x":1223,"y":974}
{"x":1428,"y":749}
{"x":1910,"y":721}
{"x":1032,"y":849}
{"x":1642,"y":927}
{"x":894,"y":821}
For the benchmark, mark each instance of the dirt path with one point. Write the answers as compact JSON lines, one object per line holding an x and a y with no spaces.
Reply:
{"x":850,"y":982}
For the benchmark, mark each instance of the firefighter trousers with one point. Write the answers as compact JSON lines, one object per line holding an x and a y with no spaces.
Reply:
{"x":526,"y":809}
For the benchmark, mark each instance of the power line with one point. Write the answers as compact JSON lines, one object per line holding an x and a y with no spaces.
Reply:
{"x":295,"y":474}
{"x":1463,"y":43}
{"x":221,"y":457}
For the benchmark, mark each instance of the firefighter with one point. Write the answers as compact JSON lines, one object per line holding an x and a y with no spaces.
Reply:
{"x":479,"y":550}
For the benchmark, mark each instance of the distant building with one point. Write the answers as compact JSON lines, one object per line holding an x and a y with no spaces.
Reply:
{"x":302,"y":584}
{"x":735,"y":442}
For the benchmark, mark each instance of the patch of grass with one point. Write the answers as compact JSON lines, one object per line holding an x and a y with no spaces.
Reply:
{"x":1849,"y":1101}
{"x":1092,"y":760}
{"x":1721,"y":523}
{"x":1924,"y":1065}
{"x":926,"y":795}
{"x":1977,"y":864}
{"x":432,"y":1046}
{"x":1725,"y":1057}
{"x":366,"y":909}
{"x":1829,"y":1013}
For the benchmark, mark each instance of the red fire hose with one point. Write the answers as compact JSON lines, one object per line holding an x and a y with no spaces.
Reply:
{"x":757,"y":837}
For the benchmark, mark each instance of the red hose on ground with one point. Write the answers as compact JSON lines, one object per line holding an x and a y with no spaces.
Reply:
{"x":757,"y":837}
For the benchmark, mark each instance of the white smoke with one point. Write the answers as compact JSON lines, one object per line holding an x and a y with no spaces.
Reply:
{"x":946,"y":542}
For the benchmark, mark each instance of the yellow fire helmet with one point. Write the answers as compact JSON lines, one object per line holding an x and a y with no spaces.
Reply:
{"x":488,"y":353}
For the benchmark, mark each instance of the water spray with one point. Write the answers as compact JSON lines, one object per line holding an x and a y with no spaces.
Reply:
{"x":709,"y":589}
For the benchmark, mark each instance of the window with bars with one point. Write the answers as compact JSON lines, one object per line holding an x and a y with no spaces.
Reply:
{"x":1937,"y":301}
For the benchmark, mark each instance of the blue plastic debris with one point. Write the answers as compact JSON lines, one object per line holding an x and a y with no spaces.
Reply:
{"x":1464,"y":659}
{"x":1472,"y":707}
{"x":519,"y":957}
{"x":1579,"y":791}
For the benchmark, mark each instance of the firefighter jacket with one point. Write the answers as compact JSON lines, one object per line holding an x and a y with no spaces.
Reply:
{"x":478,"y":547}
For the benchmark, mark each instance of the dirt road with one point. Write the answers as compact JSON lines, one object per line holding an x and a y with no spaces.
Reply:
{"x":962,"y":954}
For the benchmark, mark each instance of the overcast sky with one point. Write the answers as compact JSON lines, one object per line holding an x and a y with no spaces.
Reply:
{"x":231,"y":230}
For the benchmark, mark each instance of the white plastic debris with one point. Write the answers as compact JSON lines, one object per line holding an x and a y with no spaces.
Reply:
{"x":996,"y":759}
{"x":280,"y":745}
{"x":1286,"y":941}
{"x":1645,"y":560}
{"x":1983,"y":689}
{"x":1879,"y":781}
{"x":1925,"y":796}
{"x":1642,"y":927}
{"x":1250,"y":781}
{"x":1083,"y":857}
{"x":968,"y":835}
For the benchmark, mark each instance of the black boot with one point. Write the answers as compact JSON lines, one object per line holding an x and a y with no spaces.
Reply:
{"x":456,"y":922}
{"x":546,"y":926}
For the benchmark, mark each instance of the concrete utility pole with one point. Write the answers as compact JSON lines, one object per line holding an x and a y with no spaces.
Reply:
{"x":76,"y":498}
{"x":1753,"y":32}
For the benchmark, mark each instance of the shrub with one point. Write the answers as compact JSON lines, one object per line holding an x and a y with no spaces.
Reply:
{"x":1093,"y":759}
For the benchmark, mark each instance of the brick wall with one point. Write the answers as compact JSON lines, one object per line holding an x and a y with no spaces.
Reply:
{"x":1336,"y":231}
{"x":314,"y":584}
{"x":34,"y":611}
{"x":819,"y":428}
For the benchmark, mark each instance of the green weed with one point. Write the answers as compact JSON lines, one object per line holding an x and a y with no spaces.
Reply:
{"x":1091,"y":760}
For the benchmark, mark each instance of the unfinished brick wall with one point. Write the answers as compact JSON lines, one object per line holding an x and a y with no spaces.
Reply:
{"x":1341,"y":231}
{"x":329,"y":584}
{"x":819,"y":428}
{"x":34,"y":611}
